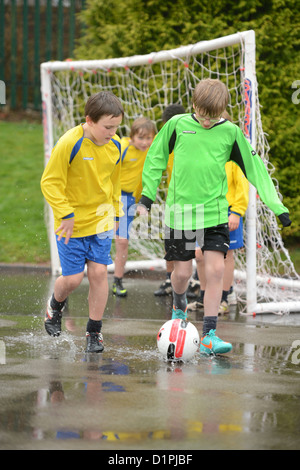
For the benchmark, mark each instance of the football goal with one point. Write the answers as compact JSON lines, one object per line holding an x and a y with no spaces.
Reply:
{"x":265,"y":278}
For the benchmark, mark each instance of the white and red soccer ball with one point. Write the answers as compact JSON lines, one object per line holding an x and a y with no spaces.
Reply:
{"x":178,"y":340}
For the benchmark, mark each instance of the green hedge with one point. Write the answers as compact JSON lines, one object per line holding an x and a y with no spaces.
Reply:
{"x":115,"y":29}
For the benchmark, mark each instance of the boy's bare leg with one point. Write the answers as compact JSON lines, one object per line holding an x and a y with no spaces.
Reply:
{"x":181,"y":275}
{"x":214,"y":271}
{"x":121,"y":256}
{"x":98,"y":291}
{"x":229,"y":270}
{"x":180,"y":279}
{"x":64,"y":285}
{"x":200,"y":268}
{"x":169,"y":266}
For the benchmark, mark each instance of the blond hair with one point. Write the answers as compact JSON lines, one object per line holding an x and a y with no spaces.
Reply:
{"x":211,"y":97}
{"x":226,"y":115}
{"x":142,"y":125}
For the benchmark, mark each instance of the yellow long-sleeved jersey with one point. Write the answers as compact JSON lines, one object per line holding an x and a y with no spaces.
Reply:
{"x":82,"y":179}
{"x":131,"y":168}
{"x":170,"y":167}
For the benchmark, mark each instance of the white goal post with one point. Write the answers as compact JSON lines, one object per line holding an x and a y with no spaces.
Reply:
{"x":265,"y":278}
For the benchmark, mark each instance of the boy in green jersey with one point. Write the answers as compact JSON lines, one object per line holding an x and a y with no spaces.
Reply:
{"x":196,"y":204}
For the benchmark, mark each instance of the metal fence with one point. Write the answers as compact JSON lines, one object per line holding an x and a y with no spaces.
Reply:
{"x":31,"y":32}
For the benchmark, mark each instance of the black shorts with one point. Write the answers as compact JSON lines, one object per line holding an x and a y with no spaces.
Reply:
{"x":180,"y":245}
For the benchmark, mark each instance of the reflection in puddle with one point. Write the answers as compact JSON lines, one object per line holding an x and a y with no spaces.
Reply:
{"x":51,"y":391}
{"x":133,"y":396}
{"x":270,"y":359}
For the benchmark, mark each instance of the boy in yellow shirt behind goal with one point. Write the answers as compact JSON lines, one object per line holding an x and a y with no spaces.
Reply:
{"x":134,"y":150}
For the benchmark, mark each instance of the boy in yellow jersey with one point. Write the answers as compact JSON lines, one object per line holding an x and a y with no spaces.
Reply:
{"x":81,"y":183}
{"x":134,"y":150}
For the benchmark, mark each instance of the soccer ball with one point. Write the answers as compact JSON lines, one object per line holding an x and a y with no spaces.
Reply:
{"x":178,"y":340}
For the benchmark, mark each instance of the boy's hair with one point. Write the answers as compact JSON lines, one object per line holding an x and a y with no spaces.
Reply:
{"x":142,"y":125}
{"x":227,"y":116}
{"x":172,"y":110}
{"x":211,"y":97}
{"x":101,"y":104}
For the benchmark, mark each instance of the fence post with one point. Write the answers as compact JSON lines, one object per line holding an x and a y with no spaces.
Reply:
{"x":48,"y":52}
{"x":13,"y":63}
{"x":72,"y":27}
{"x":25,"y":56}
{"x":2,"y":49}
{"x":36,"y":81}
{"x":60,"y":30}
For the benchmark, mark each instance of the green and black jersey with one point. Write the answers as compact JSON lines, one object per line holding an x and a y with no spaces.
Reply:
{"x":198,"y":186}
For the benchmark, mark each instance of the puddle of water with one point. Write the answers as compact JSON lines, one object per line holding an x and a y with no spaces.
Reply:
{"x":53,"y":395}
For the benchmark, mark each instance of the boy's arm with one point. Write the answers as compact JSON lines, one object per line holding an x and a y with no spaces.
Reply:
{"x":255,"y":171}
{"x":241,"y":196}
{"x":138,"y":191}
{"x":54,"y":180}
{"x":116,"y":182}
{"x":156,"y":162}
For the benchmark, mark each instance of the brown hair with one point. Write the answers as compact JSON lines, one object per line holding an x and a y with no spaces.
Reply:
{"x":226,"y":115}
{"x":101,"y":104}
{"x":143,"y":124}
{"x":211,"y":97}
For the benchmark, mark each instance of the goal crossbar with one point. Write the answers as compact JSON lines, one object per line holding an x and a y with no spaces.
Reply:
{"x":153,"y":57}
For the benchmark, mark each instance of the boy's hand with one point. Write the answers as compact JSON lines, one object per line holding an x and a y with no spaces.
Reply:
{"x":141,"y":210}
{"x":66,"y":228}
{"x":233,"y":222}
{"x":284,"y":219}
{"x":116,"y":226}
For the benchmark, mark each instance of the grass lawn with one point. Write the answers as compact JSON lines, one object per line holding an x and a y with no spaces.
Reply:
{"x":23,"y":234}
{"x":294,"y":252}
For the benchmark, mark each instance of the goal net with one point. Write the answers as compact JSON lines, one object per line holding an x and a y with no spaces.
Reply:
{"x":265,"y":278}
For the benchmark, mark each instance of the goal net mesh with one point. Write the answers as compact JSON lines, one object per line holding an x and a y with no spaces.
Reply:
{"x":146,"y":90}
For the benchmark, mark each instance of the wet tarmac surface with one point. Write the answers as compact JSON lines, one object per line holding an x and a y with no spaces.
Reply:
{"x":54,"y":396}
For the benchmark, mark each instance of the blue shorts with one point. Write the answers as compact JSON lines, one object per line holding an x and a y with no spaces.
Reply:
{"x":74,"y":255}
{"x":128,"y":201}
{"x":236,"y":237}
